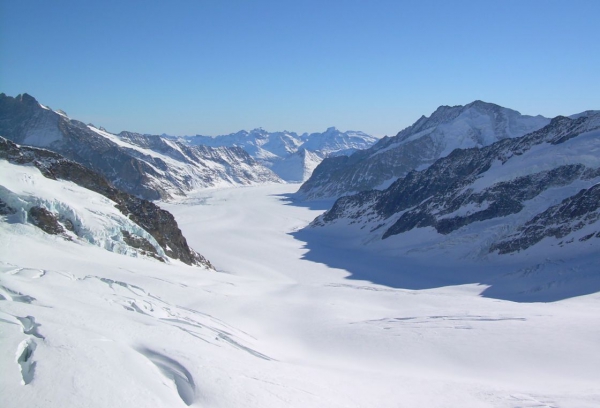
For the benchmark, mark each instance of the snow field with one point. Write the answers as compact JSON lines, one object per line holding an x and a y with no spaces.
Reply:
{"x":272,"y":328}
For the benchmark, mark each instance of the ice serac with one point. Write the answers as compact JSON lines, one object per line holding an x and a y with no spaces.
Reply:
{"x":147,"y":166}
{"x":477,"y":124}
{"x":535,"y":191}
{"x":143,"y":226}
{"x":291,"y":156}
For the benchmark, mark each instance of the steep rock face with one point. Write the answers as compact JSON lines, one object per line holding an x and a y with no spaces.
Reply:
{"x":146,"y":166}
{"x":571,"y":215}
{"x":160,"y":224}
{"x":291,"y":156}
{"x":477,"y":124}
{"x":511,"y":194}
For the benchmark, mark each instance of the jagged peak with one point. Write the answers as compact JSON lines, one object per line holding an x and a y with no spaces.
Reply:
{"x":26,"y":98}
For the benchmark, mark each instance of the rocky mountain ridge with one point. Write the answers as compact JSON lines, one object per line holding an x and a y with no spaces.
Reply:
{"x":477,"y":124}
{"x":147,"y":166}
{"x":510,"y":196}
{"x":153,"y":225}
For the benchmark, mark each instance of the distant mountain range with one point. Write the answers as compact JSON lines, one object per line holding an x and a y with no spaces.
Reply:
{"x":291,"y":156}
{"x":477,"y":124}
{"x":468,"y":182}
{"x":151,"y":167}
{"x":160,"y":167}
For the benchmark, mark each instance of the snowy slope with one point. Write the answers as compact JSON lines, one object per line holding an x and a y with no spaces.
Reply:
{"x":33,"y":191}
{"x":81,"y":326}
{"x":477,"y":124}
{"x":93,"y":218}
{"x":297,"y":166}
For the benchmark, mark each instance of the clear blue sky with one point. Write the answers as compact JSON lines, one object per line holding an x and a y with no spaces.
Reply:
{"x":218,"y":66}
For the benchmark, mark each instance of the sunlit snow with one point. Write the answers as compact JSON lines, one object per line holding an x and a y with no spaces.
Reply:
{"x":82,"y":326}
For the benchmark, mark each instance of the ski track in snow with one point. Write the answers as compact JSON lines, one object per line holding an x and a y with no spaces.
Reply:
{"x":272,"y":329}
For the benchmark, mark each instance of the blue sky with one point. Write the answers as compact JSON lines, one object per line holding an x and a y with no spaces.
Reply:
{"x":217,"y":66}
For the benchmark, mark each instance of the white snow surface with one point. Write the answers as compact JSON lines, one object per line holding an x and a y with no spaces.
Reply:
{"x":296,"y":167}
{"x":80,"y":326}
{"x":474,"y":127}
{"x":94,"y":217}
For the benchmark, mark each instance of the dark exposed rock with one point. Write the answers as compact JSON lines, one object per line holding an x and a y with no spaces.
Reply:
{"x":558,"y":221}
{"x":5,"y":209}
{"x":68,"y":225}
{"x":502,"y":199}
{"x":45,"y":220}
{"x":158,"y":222}
{"x":140,"y":243}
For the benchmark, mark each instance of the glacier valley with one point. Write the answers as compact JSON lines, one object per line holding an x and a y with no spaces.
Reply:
{"x":286,"y":320}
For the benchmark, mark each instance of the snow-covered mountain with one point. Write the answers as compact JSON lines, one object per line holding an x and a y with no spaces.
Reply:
{"x":291,"y":156}
{"x":535,"y":196}
{"x":477,"y":124}
{"x":66,"y":199}
{"x":151,"y":167}
{"x":297,"y":322}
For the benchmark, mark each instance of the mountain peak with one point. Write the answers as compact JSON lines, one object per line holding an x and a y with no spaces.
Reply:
{"x":26,"y":99}
{"x":476,"y":124}
{"x":480,"y":103}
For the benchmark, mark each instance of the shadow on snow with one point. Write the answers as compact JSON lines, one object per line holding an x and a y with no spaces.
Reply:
{"x":546,"y":281}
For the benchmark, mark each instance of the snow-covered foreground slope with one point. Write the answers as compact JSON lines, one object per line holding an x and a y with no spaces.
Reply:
{"x":80,"y":326}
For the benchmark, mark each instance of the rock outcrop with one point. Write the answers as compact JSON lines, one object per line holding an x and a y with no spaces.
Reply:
{"x":159,"y":223}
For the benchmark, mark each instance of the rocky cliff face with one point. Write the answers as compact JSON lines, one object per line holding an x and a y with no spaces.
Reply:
{"x":146,"y":166}
{"x":505,"y":197}
{"x":573,"y":214}
{"x":160,"y":224}
{"x":477,"y":124}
